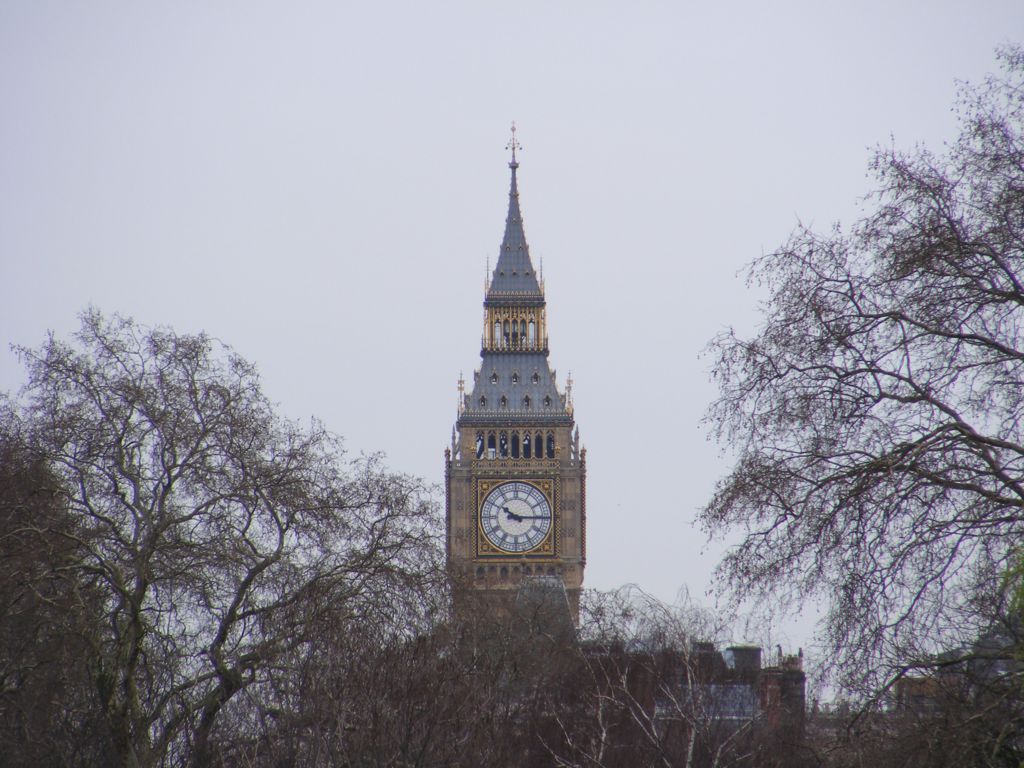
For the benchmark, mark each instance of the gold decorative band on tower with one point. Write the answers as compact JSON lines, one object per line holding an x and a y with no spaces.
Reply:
{"x":515,"y":328}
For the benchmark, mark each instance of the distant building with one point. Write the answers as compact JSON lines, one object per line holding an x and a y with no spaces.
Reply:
{"x":710,"y":697}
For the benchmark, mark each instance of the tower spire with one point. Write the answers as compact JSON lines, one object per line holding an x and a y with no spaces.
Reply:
{"x":514,"y":220}
{"x":513,"y":144}
{"x":513,"y":273}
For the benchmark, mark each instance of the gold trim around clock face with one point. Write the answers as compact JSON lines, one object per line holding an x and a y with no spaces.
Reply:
{"x":544,"y":548}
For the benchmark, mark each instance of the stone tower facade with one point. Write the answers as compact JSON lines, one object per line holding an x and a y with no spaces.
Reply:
{"x":515,"y":474}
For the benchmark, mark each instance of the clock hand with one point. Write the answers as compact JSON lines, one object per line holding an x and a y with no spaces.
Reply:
{"x":512,"y":515}
{"x":520,"y":518}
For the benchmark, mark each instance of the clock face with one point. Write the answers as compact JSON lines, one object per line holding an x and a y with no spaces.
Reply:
{"x":515,"y":517}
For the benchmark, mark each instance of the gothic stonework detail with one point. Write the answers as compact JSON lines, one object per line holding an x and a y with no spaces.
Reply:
{"x":515,"y":473}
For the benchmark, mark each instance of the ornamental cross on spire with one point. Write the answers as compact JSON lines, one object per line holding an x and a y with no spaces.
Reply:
{"x":513,"y":144}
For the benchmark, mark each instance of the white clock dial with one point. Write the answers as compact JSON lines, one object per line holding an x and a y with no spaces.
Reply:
{"x":515,"y":517}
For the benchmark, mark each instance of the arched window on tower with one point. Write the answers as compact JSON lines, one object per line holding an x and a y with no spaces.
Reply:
{"x":490,"y":445}
{"x":538,"y":446}
{"x":527,"y":446}
{"x":551,"y":445}
{"x":526,"y":403}
{"x":479,"y":445}
{"x":522,"y":331}
{"x":503,"y":445}
{"x":496,"y":339}
{"x":515,"y":445}
{"x":505,"y":327}
{"x":532,"y":334}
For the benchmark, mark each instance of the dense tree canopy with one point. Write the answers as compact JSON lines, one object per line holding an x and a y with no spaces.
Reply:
{"x":878,"y":413}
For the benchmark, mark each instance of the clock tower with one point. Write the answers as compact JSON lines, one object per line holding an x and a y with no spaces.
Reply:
{"x":515,"y":474}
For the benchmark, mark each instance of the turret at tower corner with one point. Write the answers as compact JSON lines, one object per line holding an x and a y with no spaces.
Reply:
{"x":515,"y":475}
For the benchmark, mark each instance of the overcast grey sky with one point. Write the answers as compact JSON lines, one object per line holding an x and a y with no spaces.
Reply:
{"x":320,"y":185}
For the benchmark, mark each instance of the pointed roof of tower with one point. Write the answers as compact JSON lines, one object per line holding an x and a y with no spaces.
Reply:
{"x":514,"y":384}
{"x":514,"y":275}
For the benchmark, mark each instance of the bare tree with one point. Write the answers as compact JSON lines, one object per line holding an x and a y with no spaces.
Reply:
{"x":482,"y":690}
{"x":878,"y":415}
{"x":957,"y":714}
{"x":219,"y":538}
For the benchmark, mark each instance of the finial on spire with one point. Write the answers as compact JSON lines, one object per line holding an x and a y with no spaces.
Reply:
{"x":513,"y":144}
